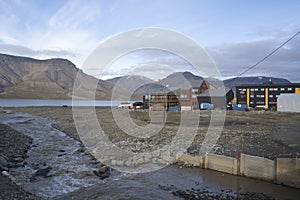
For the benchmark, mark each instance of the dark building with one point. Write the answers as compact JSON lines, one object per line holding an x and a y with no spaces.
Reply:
{"x":168,"y":101}
{"x":218,"y":97}
{"x":264,"y":95}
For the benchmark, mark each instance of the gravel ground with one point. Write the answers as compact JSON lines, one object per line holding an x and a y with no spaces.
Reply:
{"x":258,"y":133}
{"x":203,"y":194}
{"x":13,"y":148}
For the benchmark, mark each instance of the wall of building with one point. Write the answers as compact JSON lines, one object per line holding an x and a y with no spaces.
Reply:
{"x":263,"y":95}
{"x":288,"y":103}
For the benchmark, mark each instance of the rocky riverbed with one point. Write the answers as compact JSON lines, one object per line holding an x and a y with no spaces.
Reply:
{"x":13,"y":151}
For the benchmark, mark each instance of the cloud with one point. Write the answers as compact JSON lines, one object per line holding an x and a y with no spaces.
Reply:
{"x":234,"y":58}
{"x":66,"y":29}
{"x":21,"y":50}
{"x":151,"y":63}
{"x":75,"y":14}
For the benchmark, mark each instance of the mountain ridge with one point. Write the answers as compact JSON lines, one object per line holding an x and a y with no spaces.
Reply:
{"x":28,"y":78}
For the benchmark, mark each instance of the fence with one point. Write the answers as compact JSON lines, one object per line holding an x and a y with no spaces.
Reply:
{"x":281,"y":170}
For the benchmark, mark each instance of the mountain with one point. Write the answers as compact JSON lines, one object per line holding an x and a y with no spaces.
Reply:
{"x":185,"y":80}
{"x":130,"y":83}
{"x":181,"y":80}
{"x":139,"y":85}
{"x":27,"y":78}
{"x":232,"y":83}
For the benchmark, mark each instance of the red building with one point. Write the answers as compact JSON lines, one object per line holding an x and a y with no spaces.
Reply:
{"x":188,"y":97}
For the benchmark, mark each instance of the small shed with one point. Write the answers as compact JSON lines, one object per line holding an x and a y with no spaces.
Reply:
{"x":288,"y":103}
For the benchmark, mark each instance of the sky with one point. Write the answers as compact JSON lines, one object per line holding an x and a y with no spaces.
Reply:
{"x":235,"y":34}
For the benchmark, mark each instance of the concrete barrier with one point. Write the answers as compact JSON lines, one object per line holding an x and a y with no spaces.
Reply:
{"x":187,"y":159}
{"x":288,"y":171}
{"x":283,"y":170}
{"x":221,"y":163}
{"x":257,"y":167}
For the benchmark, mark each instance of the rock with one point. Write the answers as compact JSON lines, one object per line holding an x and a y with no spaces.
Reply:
{"x":3,"y":164}
{"x":103,"y":172}
{"x":104,"y":169}
{"x":43,"y":172}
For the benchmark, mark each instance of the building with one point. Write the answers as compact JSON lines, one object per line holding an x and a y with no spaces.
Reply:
{"x":160,"y":101}
{"x":218,"y":97}
{"x":188,"y":97}
{"x":288,"y":103}
{"x":264,"y":95}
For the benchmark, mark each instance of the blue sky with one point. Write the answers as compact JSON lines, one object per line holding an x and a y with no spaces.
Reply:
{"x":236,"y":34}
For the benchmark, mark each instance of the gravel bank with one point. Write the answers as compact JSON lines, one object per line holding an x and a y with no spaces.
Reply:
{"x":258,"y":133}
{"x":13,"y":150}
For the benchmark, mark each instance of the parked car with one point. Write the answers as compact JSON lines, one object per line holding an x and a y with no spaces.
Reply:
{"x":124,"y":105}
{"x":137,"y":105}
{"x":206,"y":106}
{"x":242,"y":107}
{"x":229,"y":107}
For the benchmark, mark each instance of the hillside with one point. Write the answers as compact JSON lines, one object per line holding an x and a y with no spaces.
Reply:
{"x":27,"y":78}
{"x":182,"y":80}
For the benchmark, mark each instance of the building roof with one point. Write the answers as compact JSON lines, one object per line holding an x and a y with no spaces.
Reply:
{"x":291,"y":96}
{"x":269,"y":85}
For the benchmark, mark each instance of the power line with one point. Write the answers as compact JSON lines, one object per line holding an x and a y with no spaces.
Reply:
{"x":267,"y":56}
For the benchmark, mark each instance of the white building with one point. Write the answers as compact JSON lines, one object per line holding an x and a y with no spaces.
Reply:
{"x":288,"y":103}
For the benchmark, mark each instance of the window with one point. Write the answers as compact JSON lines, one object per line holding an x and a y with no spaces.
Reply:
{"x":260,"y":96}
{"x":255,"y":89}
{"x":252,"y":96}
{"x":262,"y":89}
{"x":251,"y":102}
{"x":194,"y":96}
{"x":271,"y":95}
{"x":195,"y":90}
{"x":252,"y":89}
{"x":289,"y":89}
{"x":273,"y":89}
{"x":183,"y":96}
{"x":282,"y":89}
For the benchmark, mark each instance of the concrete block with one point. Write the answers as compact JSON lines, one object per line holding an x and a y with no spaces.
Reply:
{"x":288,"y":171}
{"x":221,"y":163}
{"x":187,"y":159}
{"x":257,"y":167}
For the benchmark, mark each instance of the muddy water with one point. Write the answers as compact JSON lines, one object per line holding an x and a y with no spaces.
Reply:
{"x":146,"y":186}
{"x":71,"y":173}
